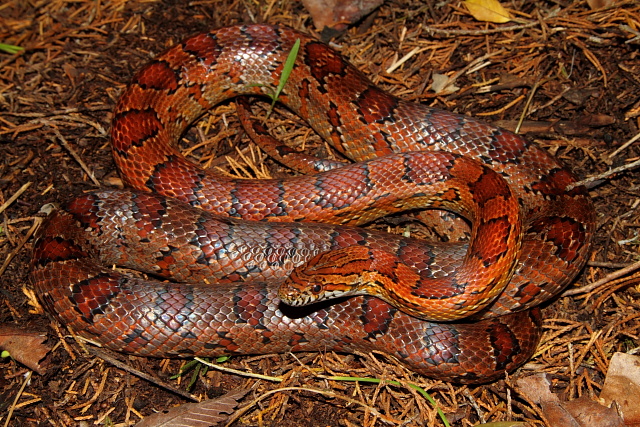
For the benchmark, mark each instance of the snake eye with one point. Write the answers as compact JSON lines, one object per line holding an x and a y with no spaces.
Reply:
{"x":316,"y":289}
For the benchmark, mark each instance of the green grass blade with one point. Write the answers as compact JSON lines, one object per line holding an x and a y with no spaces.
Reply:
{"x":9,"y":48}
{"x":288,"y":67}
{"x":286,"y":71}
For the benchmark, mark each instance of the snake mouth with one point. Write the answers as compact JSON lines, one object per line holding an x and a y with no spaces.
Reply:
{"x":297,"y":298}
{"x":301,"y":311}
{"x":313,"y":294}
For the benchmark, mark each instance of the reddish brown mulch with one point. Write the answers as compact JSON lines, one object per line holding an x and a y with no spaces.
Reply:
{"x":55,"y":97}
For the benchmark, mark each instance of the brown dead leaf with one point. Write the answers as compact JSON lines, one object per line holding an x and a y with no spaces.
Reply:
{"x":580,"y":412}
{"x":203,"y":414}
{"x":600,"y":4}
{"x":588,"y":412}
{"x":622,"y":385}
{"x":24,"y":346}
{"x":537,"y":388}
{"x":488,"y":11}
{"x":338,"y":14}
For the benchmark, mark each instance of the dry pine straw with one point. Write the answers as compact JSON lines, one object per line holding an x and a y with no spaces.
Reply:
{"x":55,"y":102}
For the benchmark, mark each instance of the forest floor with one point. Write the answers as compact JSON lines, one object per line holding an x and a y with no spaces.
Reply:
{"x":581,"y":67}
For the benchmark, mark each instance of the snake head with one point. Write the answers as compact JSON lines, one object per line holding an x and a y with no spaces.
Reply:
{"x":298,"y":294}
{"x":334,"y":274}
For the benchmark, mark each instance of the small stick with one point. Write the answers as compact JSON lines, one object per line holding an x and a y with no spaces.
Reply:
{"x":131,"y":370}
{"x":237,"y":372}
{"x":76,"y":157}
{"x":616,"y":274}
{"x":13,"y":198}
{"x":625,"y":145}
{"x":607,"y":264}
{"x":404,"y":59}
{"x":34,"y":227}
{"x":603,"y":175}
{"x":479,"y":32}
{"x":26,"y":381}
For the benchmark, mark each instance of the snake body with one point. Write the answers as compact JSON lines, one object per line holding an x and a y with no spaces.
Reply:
{"x":530,"y":235}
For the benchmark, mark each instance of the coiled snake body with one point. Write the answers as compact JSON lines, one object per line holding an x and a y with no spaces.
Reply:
{"x":529,"y":239}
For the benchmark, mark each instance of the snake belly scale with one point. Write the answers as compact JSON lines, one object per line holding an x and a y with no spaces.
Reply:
{"x":530,"y":236}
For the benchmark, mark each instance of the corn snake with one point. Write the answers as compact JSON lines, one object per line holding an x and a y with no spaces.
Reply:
{"x":362,"y":122}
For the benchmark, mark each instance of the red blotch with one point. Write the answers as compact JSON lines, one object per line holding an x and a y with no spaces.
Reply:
{"x":92,"y":296}
{"x":56,"y":249}
{"x":555,"y":183}
{"x":323,"y":61}
{"x":375,"y":105}
{"x":133,"y":127}
{"x":567,"y":235}
{"x":205,"y":47}
{"x":84,"y":210}
{"x":488,"y":186}
{"x":377,"y":316}
{"x":504,"y":343}
{"x":157,"y":75}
